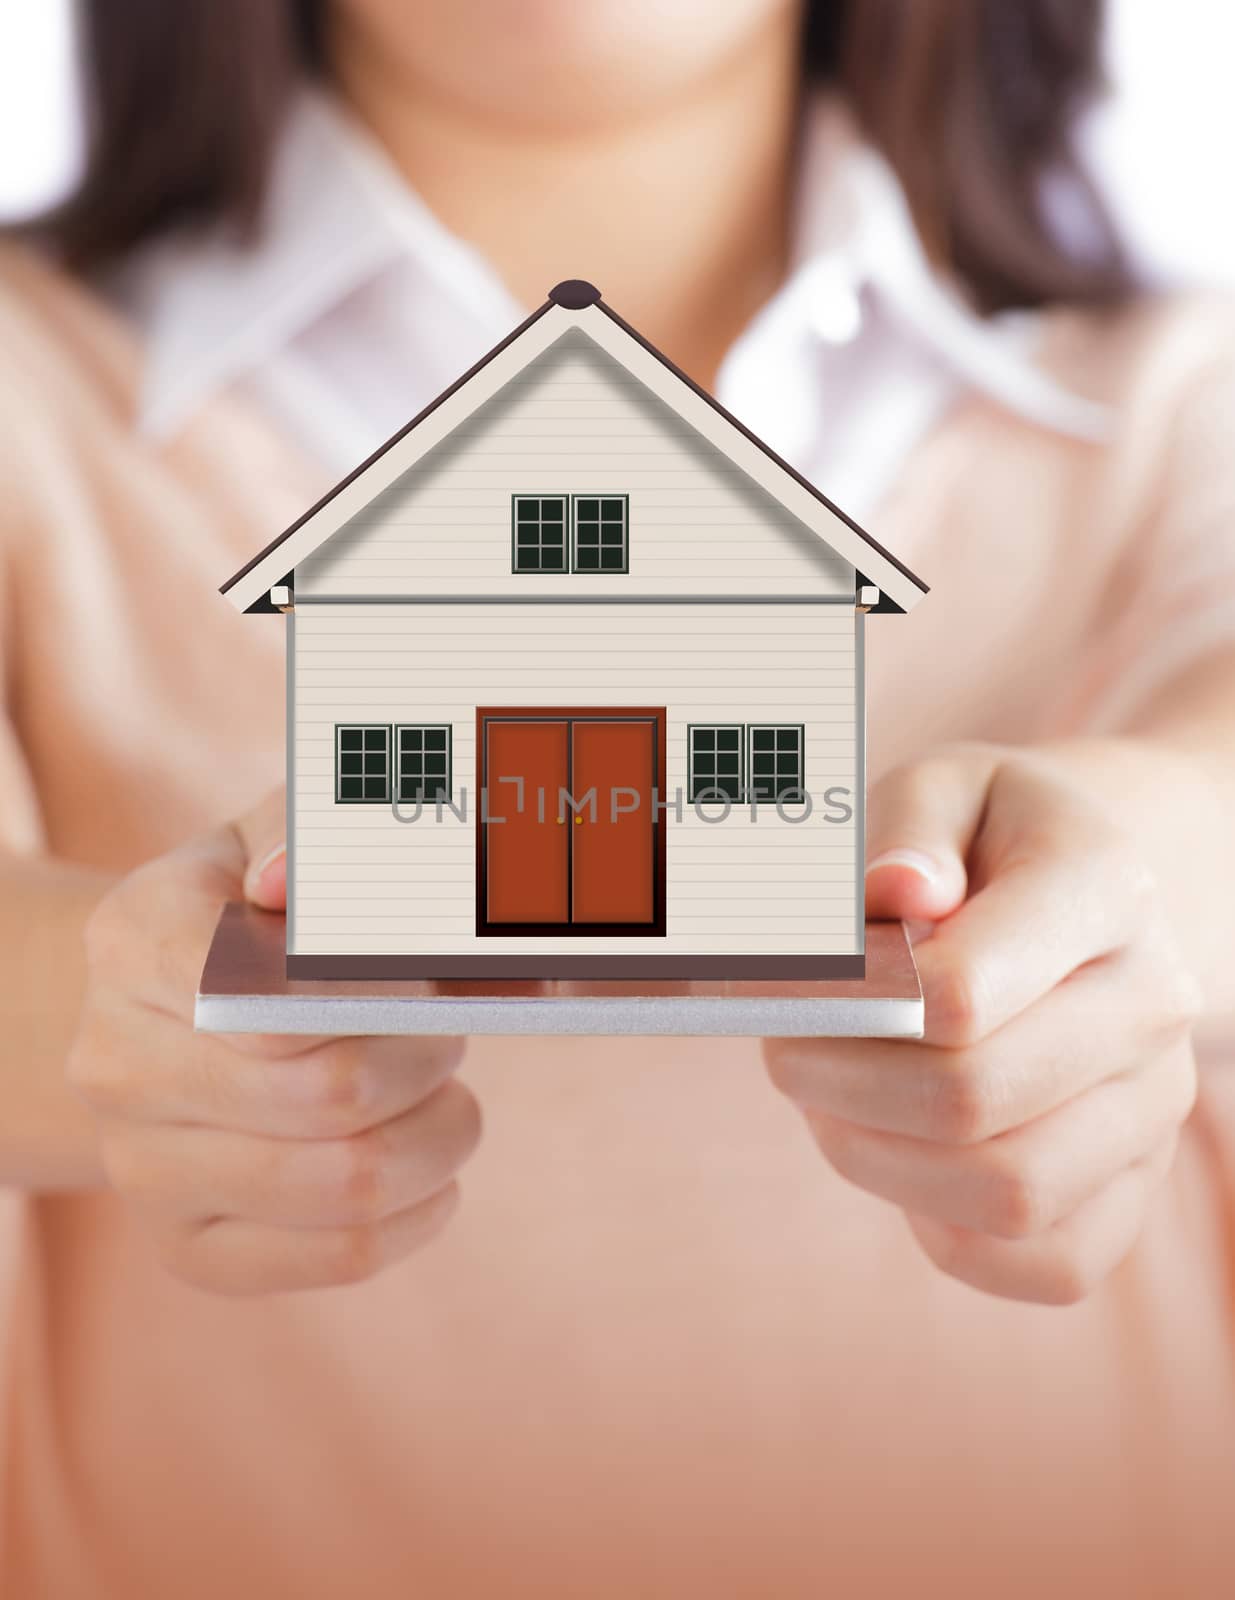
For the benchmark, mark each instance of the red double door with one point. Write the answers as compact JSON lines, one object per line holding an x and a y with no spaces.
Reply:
{"x":569,"y":836}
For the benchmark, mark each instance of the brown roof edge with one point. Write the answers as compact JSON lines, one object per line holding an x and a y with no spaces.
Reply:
{"x":389,"y":444}
{"x":766,"y":448}
{"x":574,"y":293}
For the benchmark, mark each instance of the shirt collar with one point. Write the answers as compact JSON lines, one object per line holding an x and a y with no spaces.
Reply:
{"x":338,"y":214}
{"x":856,"y":249}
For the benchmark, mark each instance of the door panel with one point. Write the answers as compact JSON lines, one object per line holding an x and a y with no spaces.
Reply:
{"x":612,"y":867}
{"x":527,"y":858}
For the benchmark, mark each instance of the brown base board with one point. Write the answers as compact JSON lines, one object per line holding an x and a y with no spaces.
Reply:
{"x":624,"y":969}
{"x":245,"y":988}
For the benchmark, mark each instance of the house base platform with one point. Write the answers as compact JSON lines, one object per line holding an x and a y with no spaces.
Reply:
{"x":245,"y":988}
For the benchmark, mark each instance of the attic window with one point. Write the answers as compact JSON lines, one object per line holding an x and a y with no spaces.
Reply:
{"x":715,"y":764}
{"x":539,"y":533}
{"x":424,"y":763}
{"x":600,"y":533}
{"x":362,"y":764}
{"x":776,"y":763}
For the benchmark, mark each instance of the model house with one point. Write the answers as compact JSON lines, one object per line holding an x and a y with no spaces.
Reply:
{"x":575,"y":683}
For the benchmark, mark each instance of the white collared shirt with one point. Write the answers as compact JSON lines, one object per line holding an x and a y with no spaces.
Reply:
{"x":357,"y":306}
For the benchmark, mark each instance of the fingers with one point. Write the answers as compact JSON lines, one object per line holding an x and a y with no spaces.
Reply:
{"x":1096,"y":1025}
{"x":235,"y":1257}
{"x":263,"y":835}
{"x":199,"y":1173}
{"x":149,"y":934}
{"x":921,"y":820}
{"x":1051,"y":885}
{"x":296,"y":1088}
{"x":1064,"y":1263}
{"x":1022,"y":1134}
{"x":1055,"y":888}
{"x":260,"y":1162}
{"x":1020,"y":1183}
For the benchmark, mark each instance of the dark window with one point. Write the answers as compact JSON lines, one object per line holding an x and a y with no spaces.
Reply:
{"x":539,"y":533}
{"x":362,"y":764}
{"x":600,"y":533}
{"x":715,"y":764}
{"x":776,"y":767}
{"x":424,"y":763}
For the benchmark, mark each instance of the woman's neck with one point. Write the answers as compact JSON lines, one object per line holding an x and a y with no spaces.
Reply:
{"x":680,"y":213}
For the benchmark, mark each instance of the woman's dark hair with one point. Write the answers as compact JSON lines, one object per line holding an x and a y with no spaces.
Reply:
{"x":972,"y":102}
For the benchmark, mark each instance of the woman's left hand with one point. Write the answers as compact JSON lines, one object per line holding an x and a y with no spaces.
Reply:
{"x":1025,"y":1134}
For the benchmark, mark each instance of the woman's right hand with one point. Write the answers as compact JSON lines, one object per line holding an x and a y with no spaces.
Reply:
{"x":260,"y":1163}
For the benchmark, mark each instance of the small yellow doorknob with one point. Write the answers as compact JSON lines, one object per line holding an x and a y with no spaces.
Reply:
{"x":578,"y":820}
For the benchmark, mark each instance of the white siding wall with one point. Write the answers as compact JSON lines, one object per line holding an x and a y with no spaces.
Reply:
{"x":364,"y":883}
{"x":574,"y":422}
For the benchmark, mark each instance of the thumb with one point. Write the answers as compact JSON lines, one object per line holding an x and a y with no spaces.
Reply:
{"x":263,"y":836}
{"x":921,"y":823}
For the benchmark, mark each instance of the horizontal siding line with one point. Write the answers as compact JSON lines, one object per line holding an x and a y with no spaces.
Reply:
{"x":828,"y":938}
{"x":754,"y":924}
{"x":327,"y":614}
{"x":704,"y":490}
{"x":789,"y":659}
{"x":823,"y":646}
{"x":815,"y":643}
{"x":581,"y":673}
{"x":838,"y":613}
{"x":388,"y":881}
{"x":571,"y":599}
{"x":425,"y":525}
{"x":378,"y":890}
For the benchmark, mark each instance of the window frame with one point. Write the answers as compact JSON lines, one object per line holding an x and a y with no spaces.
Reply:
{"x":600,"y":572}
{"x":397,"y":754}
{"x":363,"y":727}
{"x":775,"y":727}
{"x":567,"y":535}
{"x":716,"y":727}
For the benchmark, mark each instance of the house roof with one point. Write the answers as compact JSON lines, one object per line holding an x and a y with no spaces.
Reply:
{"x":574,"y":304}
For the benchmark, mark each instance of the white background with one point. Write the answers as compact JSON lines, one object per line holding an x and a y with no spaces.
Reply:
{"x":1163,"y":147}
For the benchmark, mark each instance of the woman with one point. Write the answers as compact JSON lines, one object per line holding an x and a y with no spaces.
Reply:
{"x":661,"y":1349}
